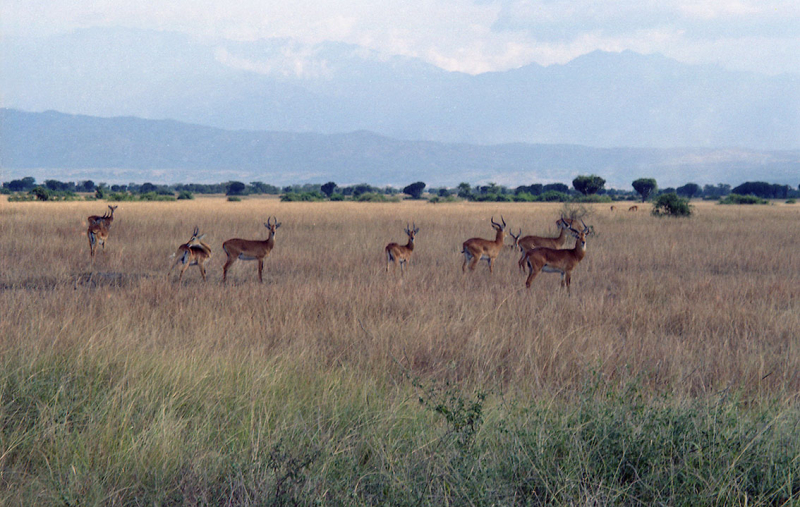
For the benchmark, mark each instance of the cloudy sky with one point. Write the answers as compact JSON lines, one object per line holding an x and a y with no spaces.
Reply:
{"x":471,"y":36}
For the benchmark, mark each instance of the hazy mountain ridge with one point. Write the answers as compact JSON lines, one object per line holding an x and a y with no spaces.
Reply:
{"x":124,"y":149}
{"x":600,"y":99}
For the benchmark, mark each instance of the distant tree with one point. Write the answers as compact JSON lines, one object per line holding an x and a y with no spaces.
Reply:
{"x":555,"y":187}
{"x":645,"y":187}
{"x":328,"y":188}
{"x":689,"y":190}
{"x":415,"y":190}
{"x":235,"y":188}
{"x":464,"y":190}
{"x":147,"y":187}
{"x":588,"y":185}
{"x":443,"y":192}
{"x":361,"y":188}
{"x":86,"y":186}
{"x":762,"y":189}
{"x":26,"y":184}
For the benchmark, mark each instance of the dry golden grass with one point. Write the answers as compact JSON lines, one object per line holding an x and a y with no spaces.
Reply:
{"x":691,"y":306}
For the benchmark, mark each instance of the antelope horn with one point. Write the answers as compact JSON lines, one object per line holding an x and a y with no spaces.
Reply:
{"x":196,"y":231}
{"x":504,"y":220}
{"x":269,"y":221}
{"x":495,"y":223}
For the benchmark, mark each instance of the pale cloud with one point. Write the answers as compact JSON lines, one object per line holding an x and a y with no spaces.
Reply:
{"x":464,"y":35}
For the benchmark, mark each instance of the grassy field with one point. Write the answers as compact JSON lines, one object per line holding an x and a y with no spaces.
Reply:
{"x":671,"y":374}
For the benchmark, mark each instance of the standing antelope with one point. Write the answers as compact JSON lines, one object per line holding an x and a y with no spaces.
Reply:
{"x":475,"y":249}
{"x":105,"y":218}
{"x":551,"y":260}
{"x":250,"y":250}
{"x":97,"y":232}
{"x":531,"y":242}
{"x":193,"y":252}
{"x":613,"y":208}
{"x":633,"y":208}
{"x":401,"y":253}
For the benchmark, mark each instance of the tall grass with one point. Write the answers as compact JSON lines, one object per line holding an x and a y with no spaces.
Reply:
{"x":669,"y":376}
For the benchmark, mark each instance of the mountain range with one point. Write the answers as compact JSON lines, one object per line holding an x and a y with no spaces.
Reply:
{"x":600,"y":100}
{"x":128,"y":149}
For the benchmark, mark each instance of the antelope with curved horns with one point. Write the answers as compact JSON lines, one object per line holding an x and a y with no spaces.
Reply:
{"x":193,"y":252}
{"x":401,"y":253}
{"x":551,"y":260}
{"x":531,"y":242}
{"x":105,"y":218}
{"x":250,"y":250}
{"x":475,"y":249}
{"x":633,"y":208}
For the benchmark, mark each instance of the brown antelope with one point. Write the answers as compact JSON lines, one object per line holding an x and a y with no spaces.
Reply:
{"x":556,"y":243}
{"x":401,"y":253}
{"x":97,"y":233}
{"x":475,"y":249}
{"x":193,"y":252}
{"x":105,"y":218}
{"x":551,"y":260}
{"x":613,"y":208}
{"x":250,"y":250}
{"x":633,"y":208}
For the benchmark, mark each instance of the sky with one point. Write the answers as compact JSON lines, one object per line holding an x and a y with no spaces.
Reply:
{"x":471,"y":36}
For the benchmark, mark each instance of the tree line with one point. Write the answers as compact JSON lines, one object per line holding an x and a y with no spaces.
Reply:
{"x":587,"y":188}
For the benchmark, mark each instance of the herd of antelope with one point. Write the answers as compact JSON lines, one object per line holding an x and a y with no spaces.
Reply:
{"x":538,"y":253}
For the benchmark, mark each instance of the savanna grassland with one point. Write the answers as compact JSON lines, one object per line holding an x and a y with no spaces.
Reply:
{"x":669,"y":377}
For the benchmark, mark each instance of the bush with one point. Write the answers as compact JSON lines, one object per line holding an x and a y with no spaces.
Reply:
{"x":791,"y":201}
{"x":742,"y":199}
{"x":593,"y":198}
{"x":302,"y":197}
{"x":234,"y":198}
{"x":554,"y":196}
{"x":337,"y":197}
{"x":374,"y":197}
{"x":185,"y":194}
{"x":671,"y":205}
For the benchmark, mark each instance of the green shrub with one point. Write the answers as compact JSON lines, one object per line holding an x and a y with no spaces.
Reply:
{"x":375,"y":197}
{"x":554,"y":196}
{"x":742,"y":199}
{"x":234,"y":198}
{"x":593,"y":198}
{"x":791,"y":201}
{"x":337,"y":197}
{"x":671,"y":205}
{"x":185,"y":194}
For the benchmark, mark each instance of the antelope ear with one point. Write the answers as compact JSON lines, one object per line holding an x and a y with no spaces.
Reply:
{"x":278,"y":224}
{"x":201,"y":237}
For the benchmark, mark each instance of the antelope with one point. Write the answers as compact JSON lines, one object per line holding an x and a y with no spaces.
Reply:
{"x":515,"y":238}
{"x":97,"y":232}
{"x":193,"y":252}
{"x":633,"y":208}
{"x":531,"y":242}
{"x":401,"y":253}
{"x":105,"y":218}
{"x":613,"y":208}
{"x":475,"y":249}
{"x":250,"y":250}
{"x":551,"y":260}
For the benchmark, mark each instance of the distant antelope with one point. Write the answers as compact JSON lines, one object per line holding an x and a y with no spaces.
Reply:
{"x":250,"y":250}
{"x":475,"y":249}
{"x":401,"y":253}
{"x":193,"y":252}
{"x":105,"y":218}
{"x":633,"y":208}
{"x":550,"y":260}
{"x":613,"y":208}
